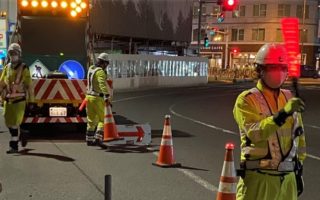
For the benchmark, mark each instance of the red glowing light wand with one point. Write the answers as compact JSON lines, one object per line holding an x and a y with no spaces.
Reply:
{"x":290,"y":33}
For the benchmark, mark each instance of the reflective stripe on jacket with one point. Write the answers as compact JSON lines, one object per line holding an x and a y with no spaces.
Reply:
{"x":96,"y":81}
{"x":17,"y":82}
{"x":261,"y":138}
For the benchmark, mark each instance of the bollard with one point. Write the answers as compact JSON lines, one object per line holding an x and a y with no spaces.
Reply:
{"x":107,"y":187}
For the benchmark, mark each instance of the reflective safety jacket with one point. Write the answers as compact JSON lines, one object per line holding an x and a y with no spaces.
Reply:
{"x":96,"y":82}
{"x":265,"y":145}
{"x":16,"y":83}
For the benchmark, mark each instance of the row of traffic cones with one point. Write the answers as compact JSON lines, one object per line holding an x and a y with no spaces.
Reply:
{"x":228,"y":180}
{"x":227,"y":185}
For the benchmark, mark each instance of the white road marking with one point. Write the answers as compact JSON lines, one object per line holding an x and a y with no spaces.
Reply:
{"x":202,"y":123}
{"x":195,"y":178}
{"x":228,"y":131}
{"x":198,"y":180}
{"x":312,"y":126}
{"x":314,"y":157}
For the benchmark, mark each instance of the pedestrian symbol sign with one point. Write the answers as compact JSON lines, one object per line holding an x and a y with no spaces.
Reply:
{"x":38,"y":70}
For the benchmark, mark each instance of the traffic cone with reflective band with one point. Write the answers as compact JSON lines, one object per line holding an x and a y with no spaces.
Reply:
{"x":166,"y":156}
{"x":228,"y":180}
{"x":110,"y":128}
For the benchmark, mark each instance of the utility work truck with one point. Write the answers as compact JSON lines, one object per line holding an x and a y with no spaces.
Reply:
{"x":56,"y":45}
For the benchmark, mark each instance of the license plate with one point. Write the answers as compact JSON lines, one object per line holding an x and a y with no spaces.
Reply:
{"x":58,"y":112}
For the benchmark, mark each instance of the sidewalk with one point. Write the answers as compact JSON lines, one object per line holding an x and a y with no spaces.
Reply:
{"x":213,"y":79}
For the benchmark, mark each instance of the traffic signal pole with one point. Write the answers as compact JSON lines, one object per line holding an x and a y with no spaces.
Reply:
{"x":226,"y":49}
{"x":199,"y":25}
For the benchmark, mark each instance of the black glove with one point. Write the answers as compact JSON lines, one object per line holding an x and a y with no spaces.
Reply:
{"x":293,"y":105}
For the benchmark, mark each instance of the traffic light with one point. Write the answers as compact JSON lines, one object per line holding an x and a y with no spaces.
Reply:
{"x":213,"y":31}
{"x":228,"y":5}
{"x":235,"y":50}
{"x":221,"y":17}
{"x":206,"y":42}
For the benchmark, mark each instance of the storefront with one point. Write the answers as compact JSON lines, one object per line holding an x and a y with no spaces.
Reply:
{"x":215,"y":54}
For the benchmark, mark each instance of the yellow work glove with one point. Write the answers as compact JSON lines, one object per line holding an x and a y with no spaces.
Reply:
{"x":294,"y":105}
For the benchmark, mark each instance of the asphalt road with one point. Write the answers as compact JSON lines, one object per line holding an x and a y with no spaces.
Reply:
{"x":63,"y":167}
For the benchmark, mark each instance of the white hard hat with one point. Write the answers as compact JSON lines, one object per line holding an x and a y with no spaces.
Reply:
{"x":14,"y":47}
{"x":271,"y":54}
{"x":104,"y":57}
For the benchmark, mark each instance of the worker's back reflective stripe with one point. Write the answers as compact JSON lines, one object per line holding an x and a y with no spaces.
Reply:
{"x":90,"y":76}
{"x":273,"y":141}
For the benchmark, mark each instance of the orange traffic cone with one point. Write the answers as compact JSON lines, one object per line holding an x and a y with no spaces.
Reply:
{"x":228,"y":179}
{"x":166,"y":157}
{"x":110,"y":128}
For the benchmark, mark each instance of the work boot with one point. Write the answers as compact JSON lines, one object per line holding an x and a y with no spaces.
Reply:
{"x":99,"y":137}
{"x":90,"y":138}
{"x":91,"y":143}
{"x":13,"y":147}
{"x":23,"y":138}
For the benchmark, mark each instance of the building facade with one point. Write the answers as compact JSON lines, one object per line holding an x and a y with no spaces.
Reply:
{"x":236,"y":36}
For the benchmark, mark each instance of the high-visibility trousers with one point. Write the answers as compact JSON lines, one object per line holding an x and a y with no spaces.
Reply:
{"x":257,"y":186}
{"x":13,"y":113}
{"x":95,"y":113}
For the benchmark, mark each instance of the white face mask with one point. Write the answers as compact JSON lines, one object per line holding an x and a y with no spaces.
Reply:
{"x":274,"y":79}
{"x":14,"y":59}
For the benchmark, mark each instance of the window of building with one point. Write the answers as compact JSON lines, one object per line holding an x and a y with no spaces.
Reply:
{"x":284,"y":10}
{"x":260,"y":10}
{"x":204,"y":12}
{"x":304,"y":35}
{"x":242,"y":10}
{"x":195,"y":34}
{"x":216,"y":10}
{"x":279,"y":35}
{"x":258,"y":34}
{"x":237,"y":34}
{"x":239,"y":12}
{"x":300,"y":11}
{"x":195,"y":11}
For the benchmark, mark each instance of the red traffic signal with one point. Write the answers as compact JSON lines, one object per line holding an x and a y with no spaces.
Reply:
{"x":229,"y":5}
{"x":235,"y":50}
{"x":221,"y":17}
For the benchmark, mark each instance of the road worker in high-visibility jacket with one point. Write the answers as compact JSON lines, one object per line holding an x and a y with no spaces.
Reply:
{"x":97,"y":96}
{"x":271,"y":131}
{"x":16,"y":87}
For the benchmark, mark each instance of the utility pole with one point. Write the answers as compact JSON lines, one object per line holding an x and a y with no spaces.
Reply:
{"x":303,"y":32}
{"x":199,"y":25}
{"x":227,"y":46}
